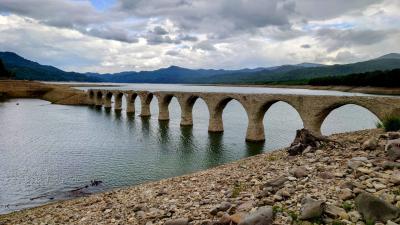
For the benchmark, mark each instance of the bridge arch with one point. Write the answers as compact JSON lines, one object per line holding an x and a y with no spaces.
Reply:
{"x":216,"y":108}
{"x":348,"y":117}
{"x":255,"y":129}
{"x":323,"y":113}
{"x":186,"y":102}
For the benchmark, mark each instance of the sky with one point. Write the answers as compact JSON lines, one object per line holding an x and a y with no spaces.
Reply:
{"x":109,"y":36}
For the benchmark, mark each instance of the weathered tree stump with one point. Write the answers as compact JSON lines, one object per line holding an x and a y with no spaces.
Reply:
{"x":305,"y":138}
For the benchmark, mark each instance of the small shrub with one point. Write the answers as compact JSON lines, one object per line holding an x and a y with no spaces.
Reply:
{"x":294,"y":216}
{"x":347,"y":206}
{"x":337,"y":222}
{"x":396,"y":192}
{"x":237,"y":188}
{"x":271,"y":158}
{"x":277,"y":209}
{"x":390,"y":123}
{"x":369,"y":222}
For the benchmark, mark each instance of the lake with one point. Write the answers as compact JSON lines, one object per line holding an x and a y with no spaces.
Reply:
{"x":49,"y":152}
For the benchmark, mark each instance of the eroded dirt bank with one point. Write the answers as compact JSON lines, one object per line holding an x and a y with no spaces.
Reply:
{"x":319,"y":186}
{"x":58,"y":94}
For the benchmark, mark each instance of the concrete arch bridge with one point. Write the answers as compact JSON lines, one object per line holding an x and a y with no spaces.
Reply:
{"x":313,"y":109}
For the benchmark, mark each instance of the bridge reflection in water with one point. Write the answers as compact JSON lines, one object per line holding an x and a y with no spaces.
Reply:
{"x":186,"y":144}
{"x":312,"y":109}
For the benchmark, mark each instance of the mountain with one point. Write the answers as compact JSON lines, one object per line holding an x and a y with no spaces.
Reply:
{"x":296,"y":73}
{"x":390,"y":56}
{"x":28,"y":70}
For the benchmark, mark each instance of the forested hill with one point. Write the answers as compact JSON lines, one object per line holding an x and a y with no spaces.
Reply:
{"x":389,"y":78}
{"x":25,"y":69}
{"x":386,"y":62}
{"x":29,"y":70}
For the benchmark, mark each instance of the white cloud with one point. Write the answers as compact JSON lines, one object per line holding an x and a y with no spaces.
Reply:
{"x":149,"y":34}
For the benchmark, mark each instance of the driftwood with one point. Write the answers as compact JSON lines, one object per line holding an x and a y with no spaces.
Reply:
{"x":306,"y":139}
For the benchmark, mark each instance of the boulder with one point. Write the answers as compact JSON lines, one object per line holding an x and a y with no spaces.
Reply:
{"x":370,"y":144}
{"x":300,"y":172}
{"x":246,"y":206}
{"x":373,"y":208}
{"x":393,"y":149}
{"x":393,"y":135}
{"x":311,"y":208}
{"x":345,"y":194}
{"x":356,"y":162}
{"x":336,"y":212}
{"x":222,"y":207}
{"x":276,"y":184}
{"x":262,"y":216}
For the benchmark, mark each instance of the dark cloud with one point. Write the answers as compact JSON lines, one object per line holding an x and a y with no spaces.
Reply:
{"x":219,"y":19}
{"x":222,"y":18}
{"x":336,"y":39}
{"x":325,"y":9}
{"x":77,"y":15}
{"x":205,"y":45}
{"x":158,"y":30}
{"x":172,"y":53}
{"x":306,"y":46}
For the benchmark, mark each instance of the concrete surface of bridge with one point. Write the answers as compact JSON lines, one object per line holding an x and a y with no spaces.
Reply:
{"x":313,"y":109}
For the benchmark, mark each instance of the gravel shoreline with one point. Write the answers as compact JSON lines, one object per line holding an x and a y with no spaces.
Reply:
{"x":333,"y":175}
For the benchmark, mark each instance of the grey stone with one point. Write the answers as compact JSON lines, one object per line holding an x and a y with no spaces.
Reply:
{"x":222,"y":207}
{"x":373,"y":208}
{"x":263,"y":216}
{"x":388,"y":165}
{"x":335,"y":212}
{"x":356,"y":162}
{"x":182,"y":221}
{"x":311,"y":208}
{"x":370,"y":144}
{"x":300,"y":172}
{"x":277,"y":183}
{"x":393,"y":135}
{"x":393,"y":149}
{"x":345,"y":194}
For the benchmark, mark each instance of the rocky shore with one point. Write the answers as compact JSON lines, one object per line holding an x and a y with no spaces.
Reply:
{"x":350,"y":180}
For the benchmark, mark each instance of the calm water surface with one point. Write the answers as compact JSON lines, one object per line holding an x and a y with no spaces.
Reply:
{"x":49,"y":150}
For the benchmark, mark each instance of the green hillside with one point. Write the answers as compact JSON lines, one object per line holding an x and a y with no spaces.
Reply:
{"x":389,"y":78}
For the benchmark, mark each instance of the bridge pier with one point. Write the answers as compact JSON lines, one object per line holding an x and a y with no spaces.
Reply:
{"x":99,"y":99}
{"x":255,"y":129}
{"x":312,"y":125}
{"x":215,"y":123}
{"x":163,"y":111}
{"x":145,"y":100}
{"x":130,"y":103}
{"x":186,"y":110}
{"x":91,"y":98}
{"x":118,"y":102}
{"x":107,"y":100}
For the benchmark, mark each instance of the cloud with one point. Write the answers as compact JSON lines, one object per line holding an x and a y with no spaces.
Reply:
{"x":149,"y":34}
{"x":205,"y":45}
{"x":336,"y":39}
{"x":78,"y":15}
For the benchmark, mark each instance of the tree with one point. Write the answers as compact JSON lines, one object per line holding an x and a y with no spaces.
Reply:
{"x":4,"y":73}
